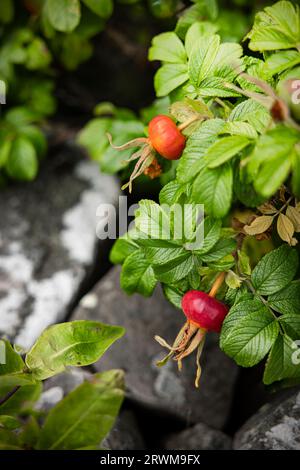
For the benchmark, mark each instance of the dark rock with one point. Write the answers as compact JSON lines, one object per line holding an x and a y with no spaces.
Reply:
{"x":276,"y":426}
{"x":125,"y":434}
{"x":198,"y":437}
{"x":160,"y":389}
{"x":48,"y":242}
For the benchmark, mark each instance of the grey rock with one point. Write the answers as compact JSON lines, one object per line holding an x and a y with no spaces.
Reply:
{"x":48,"y":242}
{"x":276,"y":426}
{"x":125,"y":435}
{"x":160,"y":389}
{"x":198,"y":437}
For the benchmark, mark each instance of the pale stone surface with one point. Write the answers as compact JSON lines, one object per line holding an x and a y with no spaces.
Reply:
{"x":48,"y":242}
{"x":198,"y":437}
{"x":276,"y":426}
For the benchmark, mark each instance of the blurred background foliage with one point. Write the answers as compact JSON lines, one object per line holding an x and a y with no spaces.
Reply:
{"x":58,"y":58}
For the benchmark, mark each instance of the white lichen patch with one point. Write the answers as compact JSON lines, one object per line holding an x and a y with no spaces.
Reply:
{"x":50,"y":299}
{"x":285,"y":435}
{"x":33,"y":294}
{"x":79,"y":234}
{"x":15,"y":273}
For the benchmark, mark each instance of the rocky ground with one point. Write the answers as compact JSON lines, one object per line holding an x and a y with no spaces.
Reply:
{"x":53,"y":268}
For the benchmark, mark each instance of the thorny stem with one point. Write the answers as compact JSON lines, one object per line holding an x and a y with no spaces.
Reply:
{"x":9,"y":395}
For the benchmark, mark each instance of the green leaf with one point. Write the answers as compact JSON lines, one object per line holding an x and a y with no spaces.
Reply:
{"x":122,"y":248}
{"x":224,"y":149}
{"x":171,"y":192}
{"x":167,"y":47}
{"x":211,"y":234}
{"x":192,"y":161}
{"x":102,"y":8}
{"x":22,"y":163}
{"x":280,"y":361}
{"x":213,"y":188}
{"x":173,"y":294}
{"x":38,"y":55}
{"x":137,"y":275}
{"x":252,"y":112}
{"x":63,"y":15}
{"x":196,"y":31}
{"x":9,"y":440}
{"x":275,"y":270}
{"x":175,"y":270}
{"x":152,"y":220}
{"x":163,"y":252}
{"x":277,"y":27}
{"x":202,"y":58}
{"x":85,"y":416}
{"x":169,"y":77}
{"x":11,"y":362}
{"x":240,"y":129}
{"x":9,"y":422}
{"x":281,"y":61}
{"x":272,"y":174}
{"x":5,"y":147}
{"x":223,"y":247}
{"x":215,"y":87}
{"x":291,"y":324}
{"x":287,"y":300}
{"x":77,"y":343}
{"x":22,"y":400}
{"x":36,"y":137}
{"x":270,"y":162}
{"x":93,"y":137}
{"x":249,"y":331}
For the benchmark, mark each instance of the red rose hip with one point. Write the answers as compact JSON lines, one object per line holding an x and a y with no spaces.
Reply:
{"x":166,"y":138}
{"x":204,"y":310}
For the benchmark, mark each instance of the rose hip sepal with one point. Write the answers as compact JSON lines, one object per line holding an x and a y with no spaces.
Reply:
{"x":204,"y":313}
{"x":164,"y":138}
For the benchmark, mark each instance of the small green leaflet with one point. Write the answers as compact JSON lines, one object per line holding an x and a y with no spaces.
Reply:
{"x":192,"y":160}
{"x":253,"y":113}
{"x":63,"y":15}
{"x":213,"y":188}
{"x":224,"y":149}
{"x":275,"y":270}
{"x":277,"y":27}
{"x":283,"y":361}
{"x":169,"y":77}
{"x":202,"y":58}
{"x":249,"y":331}
{"x":291,"y":324}
{"x":287,"y":300}
{"x":270,"y":162}
{"x":137,"y":275}
{"x":167,"y":47}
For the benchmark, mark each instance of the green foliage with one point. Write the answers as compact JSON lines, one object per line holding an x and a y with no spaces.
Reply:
{"x":77,"y":343}
{"x":85,"y":416}
{"x":241,"y":152}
